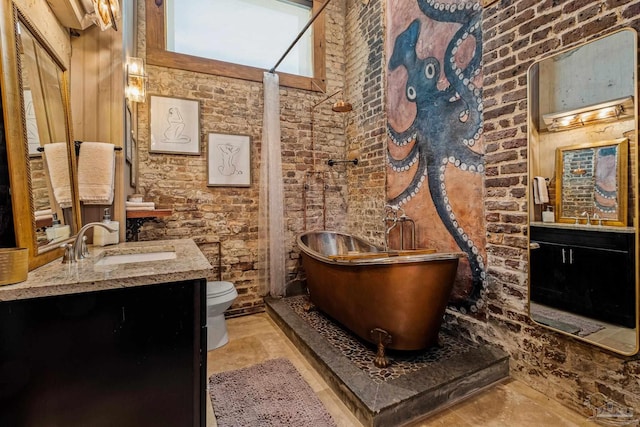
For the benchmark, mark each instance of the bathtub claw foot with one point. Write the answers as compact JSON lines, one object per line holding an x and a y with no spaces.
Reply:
{"x":308,"y":306}
{"x":383,"y":339}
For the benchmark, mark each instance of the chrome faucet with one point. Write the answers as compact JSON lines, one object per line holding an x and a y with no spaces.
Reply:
{"x":394,"y":214}
{"x":78,"y":250}
{"x":597,"y":217}
{"x":585,"y":213}
{"x":390,"y":215}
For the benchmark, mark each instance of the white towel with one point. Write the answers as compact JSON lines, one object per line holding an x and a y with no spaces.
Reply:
{"x":540,"y":191}
{"x":55,"y":155}
{"x":43,"y":212}
{"x":151,"y":205}
{"x":139,"y":206}
{"x":96,"y":173}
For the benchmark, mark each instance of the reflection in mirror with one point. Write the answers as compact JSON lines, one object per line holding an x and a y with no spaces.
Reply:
{"x":591,"y":181}
{"x":44,"y":111}
{"x":583,"y":170}
{"x":35,"y":99}
{"x":46,"y":127}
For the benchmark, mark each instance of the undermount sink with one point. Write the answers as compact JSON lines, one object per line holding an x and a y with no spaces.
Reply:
{"x":131,"y":255}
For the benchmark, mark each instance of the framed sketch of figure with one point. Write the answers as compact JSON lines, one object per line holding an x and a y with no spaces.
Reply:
{"x":229,"y":160}
{"x":174,"y":125}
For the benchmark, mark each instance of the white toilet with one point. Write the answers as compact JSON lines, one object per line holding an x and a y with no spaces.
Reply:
{"x":220,"y":296}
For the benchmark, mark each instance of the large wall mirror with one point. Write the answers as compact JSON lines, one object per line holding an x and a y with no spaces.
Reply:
{"x":37,"y":126}
{"x":583,"y":198}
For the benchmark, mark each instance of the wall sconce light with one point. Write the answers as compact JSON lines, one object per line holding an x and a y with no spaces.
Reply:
{"x":136,"y":90}
{"x":605,"y":111}
{"x":106,"y":14}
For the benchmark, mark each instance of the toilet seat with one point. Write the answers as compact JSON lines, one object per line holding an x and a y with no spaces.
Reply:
{"x":219,"y":289}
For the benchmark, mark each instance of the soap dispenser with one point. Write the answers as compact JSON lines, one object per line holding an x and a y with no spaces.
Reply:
{"x":103,"y":237}
{"x":548,"y":215}
{"x":57,"y":232}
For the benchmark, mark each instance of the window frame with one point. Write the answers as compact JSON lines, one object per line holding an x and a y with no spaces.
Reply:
{"x":158,"y":55}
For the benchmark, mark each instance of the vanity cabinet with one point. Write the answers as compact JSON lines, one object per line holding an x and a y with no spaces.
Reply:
{"x":128,"y":357}
{"x":586,"y":272}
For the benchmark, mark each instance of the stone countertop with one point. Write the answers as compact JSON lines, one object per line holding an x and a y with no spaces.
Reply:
{"x":585,"y":227}
{"x":56,"y":278}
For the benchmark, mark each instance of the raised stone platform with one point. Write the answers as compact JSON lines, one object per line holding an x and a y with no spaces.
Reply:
{"x":414,"y":385}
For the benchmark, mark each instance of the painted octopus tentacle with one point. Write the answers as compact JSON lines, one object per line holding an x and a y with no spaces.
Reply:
{"x":462,"y":81}
{"x":402,"y":138}
{"x":448,"y":12}
{"x":437,"y":187}
{"x":474,"y":29}
{"x":414,"y":187}
{"x":403,"y":165}
{"x":466,"y":160}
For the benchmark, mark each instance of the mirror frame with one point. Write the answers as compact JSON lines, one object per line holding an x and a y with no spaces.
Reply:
{"x":632,"y":196}
{"x":622,"y":198}
{"x":15,"y":130}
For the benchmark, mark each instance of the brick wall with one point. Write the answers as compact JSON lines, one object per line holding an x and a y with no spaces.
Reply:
{"x":230,"y":215}
{"x":366,"y":128}
{"x":517,"y":33}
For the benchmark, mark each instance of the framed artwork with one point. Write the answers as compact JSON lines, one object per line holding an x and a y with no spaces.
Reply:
{"x":133,"y":170}
{"x":128,"y":135}
{"x":174,"y":125}
{"x":229,"y":160}
{"x":591,"y":179}
{"x":33,"y":137}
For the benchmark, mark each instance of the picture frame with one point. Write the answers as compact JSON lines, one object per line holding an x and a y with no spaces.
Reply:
{"x":33,"y":137}
{"x":591,"y":178}
{"x":229,"y":160}
{"x":128,"y":135}
{"x":174,"y":125}
{"x":133,"y":170}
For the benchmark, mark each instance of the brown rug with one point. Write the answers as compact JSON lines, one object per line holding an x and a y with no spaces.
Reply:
{"x":271,"y":393}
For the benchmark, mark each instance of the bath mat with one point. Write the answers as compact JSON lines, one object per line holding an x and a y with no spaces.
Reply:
{"x":564,"y":321}
{"x":271,"y":393}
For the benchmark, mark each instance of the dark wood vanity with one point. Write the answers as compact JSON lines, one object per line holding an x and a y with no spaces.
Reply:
{"x":91,"y":344}
{"x":122,"y":357}
{"x":586,"y":272}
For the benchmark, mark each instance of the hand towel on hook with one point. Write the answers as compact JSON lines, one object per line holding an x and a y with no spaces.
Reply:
{"x":540,"y":191}
{"x":96,"y":173}
{"x":55,"y":155}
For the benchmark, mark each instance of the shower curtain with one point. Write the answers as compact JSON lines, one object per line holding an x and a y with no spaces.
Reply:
{"x":271,"y":239}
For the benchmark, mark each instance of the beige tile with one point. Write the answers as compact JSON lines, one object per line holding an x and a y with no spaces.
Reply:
{"x":446,"y":418}
{"x":238,"y":353}
{"x":509,"y":405}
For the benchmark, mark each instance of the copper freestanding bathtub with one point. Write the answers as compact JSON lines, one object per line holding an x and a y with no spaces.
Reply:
{"x":395,"y":299}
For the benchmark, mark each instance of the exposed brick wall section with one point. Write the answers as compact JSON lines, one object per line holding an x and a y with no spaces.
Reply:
{"x":366,"y":129}
{"x":517,"y":33}
{"x":230,"y":215}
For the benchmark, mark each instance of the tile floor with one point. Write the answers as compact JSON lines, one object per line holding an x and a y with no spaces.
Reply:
{"x":254,"y":339}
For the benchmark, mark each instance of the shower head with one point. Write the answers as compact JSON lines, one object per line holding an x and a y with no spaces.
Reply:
{"x":342,"y":106}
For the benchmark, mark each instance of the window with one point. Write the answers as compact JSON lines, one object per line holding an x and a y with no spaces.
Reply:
{"x":238,"y":38}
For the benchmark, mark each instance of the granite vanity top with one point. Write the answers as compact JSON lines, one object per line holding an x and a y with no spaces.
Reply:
{"x":86,"y":275}
{"x":585,"y":227}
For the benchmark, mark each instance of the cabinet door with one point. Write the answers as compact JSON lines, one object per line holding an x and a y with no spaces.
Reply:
{"x":129,"y":358}
{"x":608,"y":281}
{"x":550,"y":280}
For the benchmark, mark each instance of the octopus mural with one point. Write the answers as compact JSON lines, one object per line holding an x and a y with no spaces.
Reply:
{"x":434,"y":153}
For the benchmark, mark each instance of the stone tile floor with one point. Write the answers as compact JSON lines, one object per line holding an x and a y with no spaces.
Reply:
{"x":256,"y":338}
